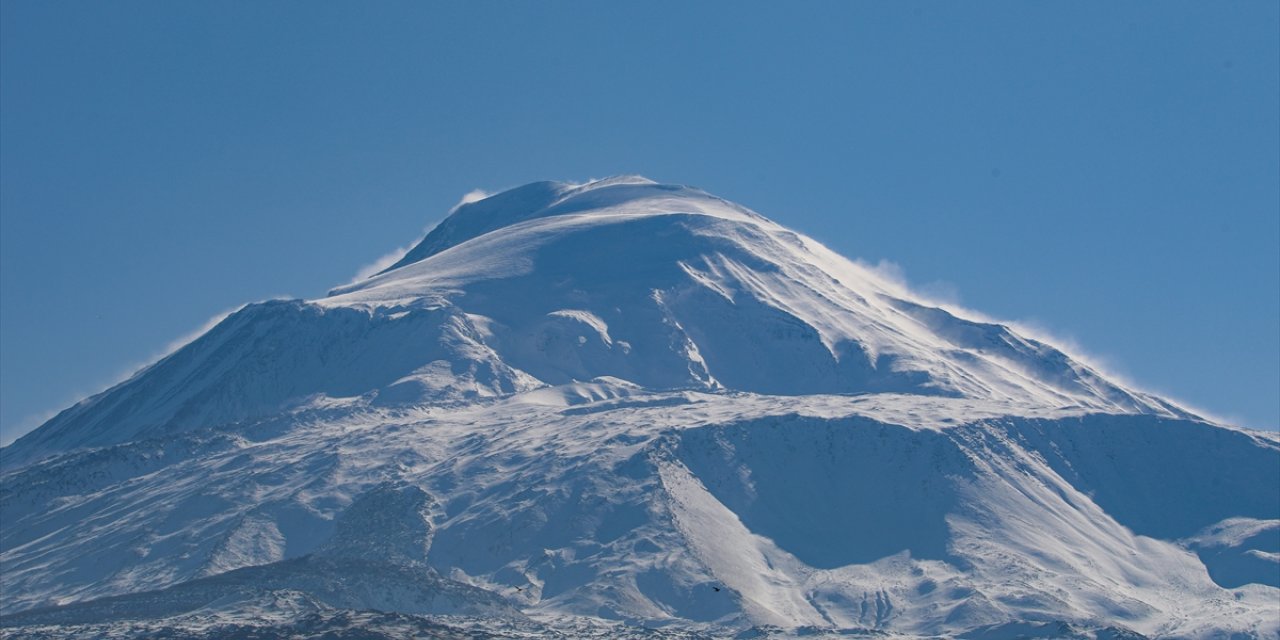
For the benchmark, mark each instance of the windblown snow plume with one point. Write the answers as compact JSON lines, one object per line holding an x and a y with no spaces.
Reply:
{"x":629,"y":409}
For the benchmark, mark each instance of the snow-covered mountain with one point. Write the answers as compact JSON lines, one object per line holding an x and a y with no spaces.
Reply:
{"x":627,"y":403}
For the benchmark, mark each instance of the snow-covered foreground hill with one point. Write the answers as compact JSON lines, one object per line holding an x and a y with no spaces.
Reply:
{"x":629,"y":408}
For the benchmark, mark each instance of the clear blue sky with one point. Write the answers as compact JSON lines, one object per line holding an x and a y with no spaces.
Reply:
{"x":1105,"y":170}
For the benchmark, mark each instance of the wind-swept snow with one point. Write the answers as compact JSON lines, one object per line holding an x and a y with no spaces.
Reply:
{"x":632,"y":402}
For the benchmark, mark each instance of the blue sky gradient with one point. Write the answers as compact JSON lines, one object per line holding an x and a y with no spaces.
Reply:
{"x":1106,"y":171}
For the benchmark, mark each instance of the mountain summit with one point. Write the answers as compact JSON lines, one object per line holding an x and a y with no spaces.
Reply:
{"x":670,"y":287}
{"x":623,"y":401}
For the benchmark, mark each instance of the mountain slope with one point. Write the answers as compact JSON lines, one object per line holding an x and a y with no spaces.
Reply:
{"x":639,"y":402}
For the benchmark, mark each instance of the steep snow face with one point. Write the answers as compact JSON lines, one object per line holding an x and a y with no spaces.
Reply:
{"x":664,"y":287}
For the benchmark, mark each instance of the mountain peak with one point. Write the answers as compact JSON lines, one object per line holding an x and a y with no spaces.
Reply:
{"x":536,"y":199}
{"x":722,"y":296}
{"x":620,"y":283}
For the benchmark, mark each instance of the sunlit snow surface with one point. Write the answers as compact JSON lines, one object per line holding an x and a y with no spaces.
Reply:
{"x":574,"y":407}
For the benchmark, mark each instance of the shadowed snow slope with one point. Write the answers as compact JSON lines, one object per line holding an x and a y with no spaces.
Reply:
{"x":640,"y":402}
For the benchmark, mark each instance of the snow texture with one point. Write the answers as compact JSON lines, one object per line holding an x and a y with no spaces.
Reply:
{"x":623,"y":409}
